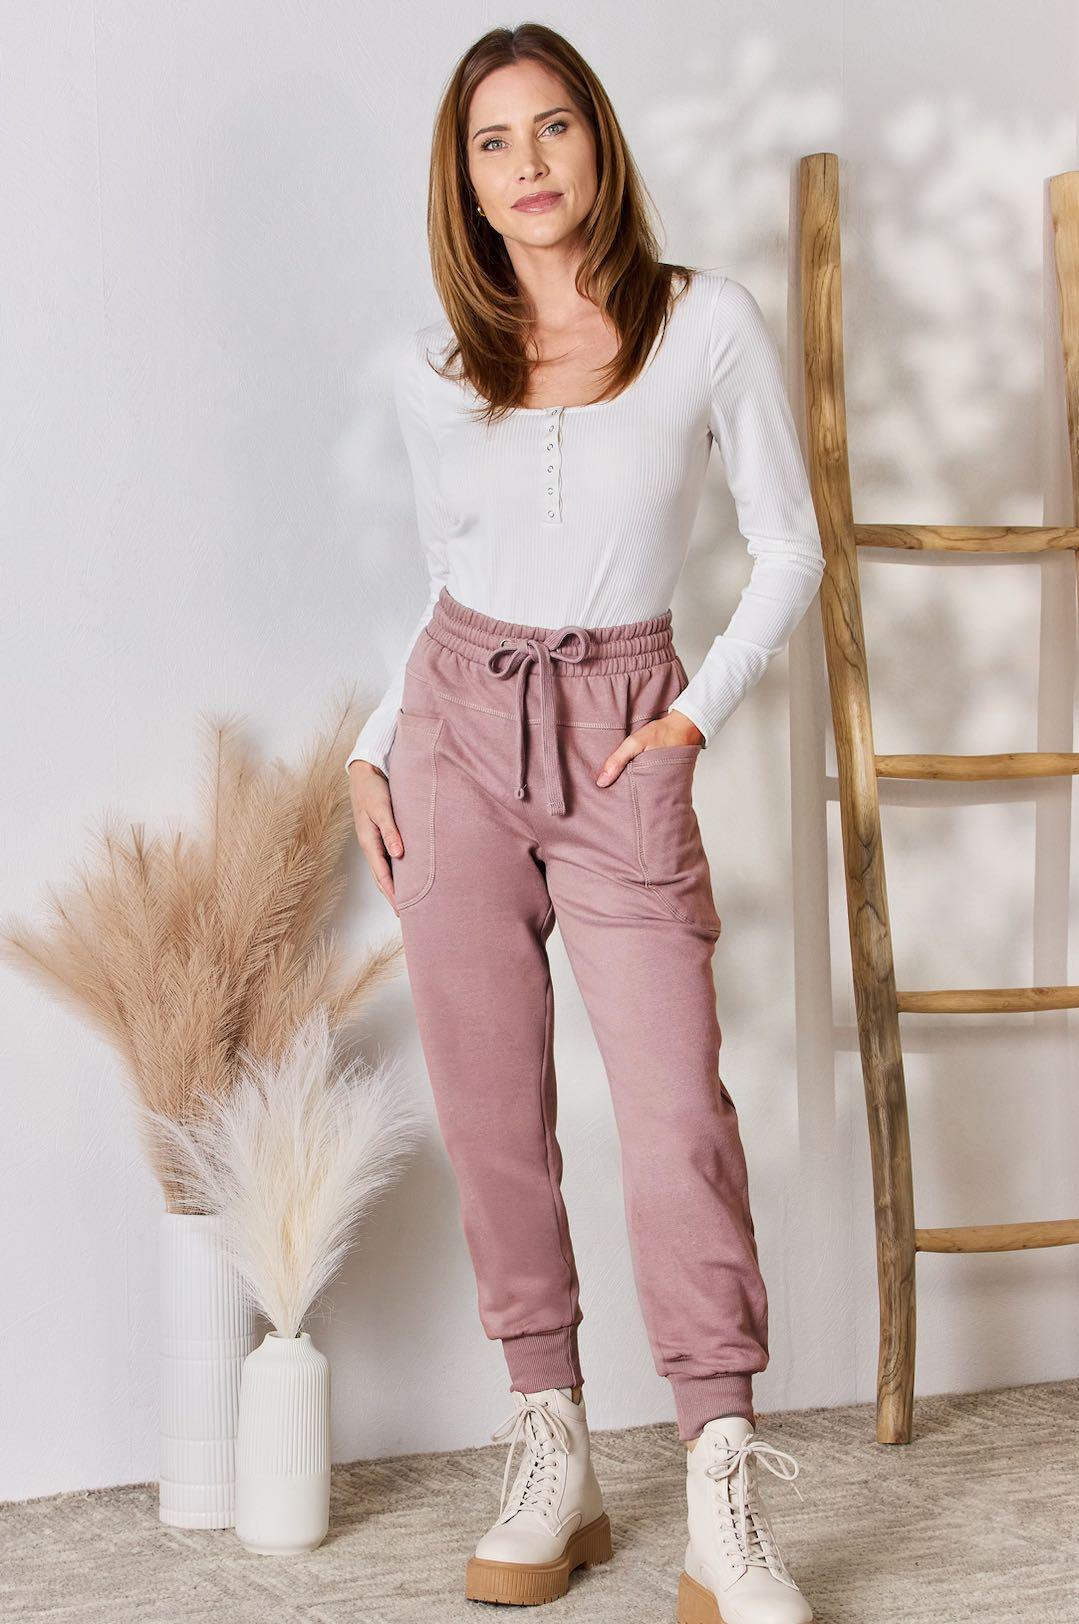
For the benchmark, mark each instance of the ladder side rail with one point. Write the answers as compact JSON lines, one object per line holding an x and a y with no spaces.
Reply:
{"x":867,"y":905}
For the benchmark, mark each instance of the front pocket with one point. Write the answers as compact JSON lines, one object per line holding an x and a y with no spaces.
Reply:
{"x":670,"y":851}
{"x":412,"y":771}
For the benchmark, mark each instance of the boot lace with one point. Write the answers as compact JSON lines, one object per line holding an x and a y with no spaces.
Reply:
{"x":545,"y":1435}
{"x":757,"y":1545}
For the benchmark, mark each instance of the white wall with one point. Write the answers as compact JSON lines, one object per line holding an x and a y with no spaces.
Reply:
{"x":214,"y":238}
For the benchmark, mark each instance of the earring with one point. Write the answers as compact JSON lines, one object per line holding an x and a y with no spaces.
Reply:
{"x":479,"y":211}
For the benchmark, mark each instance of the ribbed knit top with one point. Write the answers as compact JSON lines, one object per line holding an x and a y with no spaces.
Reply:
{"x":582,"y":514}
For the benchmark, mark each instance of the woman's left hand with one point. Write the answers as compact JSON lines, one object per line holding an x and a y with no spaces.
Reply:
{"x":674,"y":728}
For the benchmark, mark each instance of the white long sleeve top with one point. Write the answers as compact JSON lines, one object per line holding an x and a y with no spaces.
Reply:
{"x":583,"y":514}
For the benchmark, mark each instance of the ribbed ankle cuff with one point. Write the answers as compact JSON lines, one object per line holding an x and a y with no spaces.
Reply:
{"x":542,"y":1359}
{"x":700,"y":1399}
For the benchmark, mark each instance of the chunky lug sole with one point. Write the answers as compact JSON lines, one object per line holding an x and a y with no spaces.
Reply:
{"x":527,"y":1584}
{"x":696,"y":1605}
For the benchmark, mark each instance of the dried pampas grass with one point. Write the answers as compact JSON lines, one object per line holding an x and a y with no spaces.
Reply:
{"x":291,"y":1159}
{"x":184,"y":949}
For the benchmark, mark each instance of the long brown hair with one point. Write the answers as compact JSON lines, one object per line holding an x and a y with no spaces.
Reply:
{"x":620,"y":269}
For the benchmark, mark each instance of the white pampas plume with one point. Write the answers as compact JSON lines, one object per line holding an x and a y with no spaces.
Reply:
{"x":291,"y":1159}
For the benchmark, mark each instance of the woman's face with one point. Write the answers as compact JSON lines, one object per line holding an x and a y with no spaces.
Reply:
{"x":526,"y":137}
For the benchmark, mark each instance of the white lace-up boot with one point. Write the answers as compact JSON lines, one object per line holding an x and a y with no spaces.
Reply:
{"x":734,"y":1573}
{"x":552,"y":1520}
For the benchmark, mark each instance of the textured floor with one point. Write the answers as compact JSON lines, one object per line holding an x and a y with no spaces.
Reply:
{"x":978,"y":1518}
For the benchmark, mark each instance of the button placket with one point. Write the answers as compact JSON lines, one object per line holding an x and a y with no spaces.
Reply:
{"x":552,"y":465}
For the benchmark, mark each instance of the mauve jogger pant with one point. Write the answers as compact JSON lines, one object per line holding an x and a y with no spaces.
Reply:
{"x":502,"y":730}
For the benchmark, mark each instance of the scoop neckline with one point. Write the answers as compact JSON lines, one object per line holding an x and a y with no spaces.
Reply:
{"x":596,"y":405}
{"x":581,"y":406}
{"x":584,"y":405}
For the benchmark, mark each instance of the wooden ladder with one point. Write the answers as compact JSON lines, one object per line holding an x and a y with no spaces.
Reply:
{"x":877,"y":1001}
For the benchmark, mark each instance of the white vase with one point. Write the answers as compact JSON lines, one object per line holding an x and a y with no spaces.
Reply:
{"x":208,"y":1327}
{"x":283,"y":1447}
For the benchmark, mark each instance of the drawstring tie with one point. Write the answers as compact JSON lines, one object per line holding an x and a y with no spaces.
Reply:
{"x":523,"y":653}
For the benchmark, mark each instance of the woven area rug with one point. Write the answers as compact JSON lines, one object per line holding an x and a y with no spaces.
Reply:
{"x":977,"y":1518}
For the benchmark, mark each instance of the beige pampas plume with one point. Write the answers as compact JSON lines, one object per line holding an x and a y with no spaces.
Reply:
{"x":291,"y":1159}
{"x":183,"y":949}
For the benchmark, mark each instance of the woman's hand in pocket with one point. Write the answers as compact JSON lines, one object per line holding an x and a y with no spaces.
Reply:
{"x":674,"y":728}
{"x":376,"y":831}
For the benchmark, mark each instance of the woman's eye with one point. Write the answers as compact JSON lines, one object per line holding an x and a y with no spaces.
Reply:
{"x":555,"y":124}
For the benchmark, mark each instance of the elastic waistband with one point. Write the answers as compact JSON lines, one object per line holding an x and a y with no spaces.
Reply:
{"x":635,"y":646}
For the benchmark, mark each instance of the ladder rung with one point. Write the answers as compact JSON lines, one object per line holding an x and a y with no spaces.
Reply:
{"x":987,"y":1000}
{"x":998,"y":1237}
{"x":968,"y":538}
{"x":1012,"y":764}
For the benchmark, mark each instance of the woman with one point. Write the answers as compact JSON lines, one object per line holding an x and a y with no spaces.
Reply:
{"x":533,"y":760}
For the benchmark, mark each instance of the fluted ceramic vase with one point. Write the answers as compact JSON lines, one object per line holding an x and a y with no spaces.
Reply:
{"x":208,"y":1328}
{"x":283,"y":1447}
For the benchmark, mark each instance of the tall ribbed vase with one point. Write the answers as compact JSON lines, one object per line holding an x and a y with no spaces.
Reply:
{"x":283,"y":1447}
{"x":208,"y":1328}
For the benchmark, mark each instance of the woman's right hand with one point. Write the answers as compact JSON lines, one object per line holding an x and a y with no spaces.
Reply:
{"x":377,"y":833}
